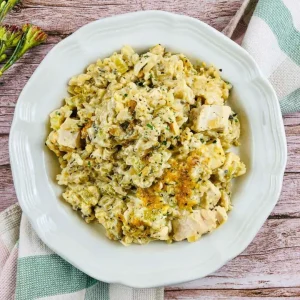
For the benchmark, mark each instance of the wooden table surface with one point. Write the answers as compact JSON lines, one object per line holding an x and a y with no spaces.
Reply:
{"x":270,"y":266}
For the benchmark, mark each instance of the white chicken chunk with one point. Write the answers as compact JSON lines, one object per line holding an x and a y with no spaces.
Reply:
{"x":163,"y":234}
{"x":215,"y":154}
{"x":211,"y":195}
{"x":225,"y":201}
{"x":221,"y":214}
{"x":194,"y":225}
{"x":212,"y":117}
{"x":69,"y":134}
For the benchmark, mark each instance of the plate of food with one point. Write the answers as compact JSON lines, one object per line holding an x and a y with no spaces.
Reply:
{"x":147,"y":149}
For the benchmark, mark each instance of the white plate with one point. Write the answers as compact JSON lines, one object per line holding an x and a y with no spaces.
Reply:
{"x":85,"y":246}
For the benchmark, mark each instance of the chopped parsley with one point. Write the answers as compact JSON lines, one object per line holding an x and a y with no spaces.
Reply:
{"x":150,"y":126}
{"x":125,"y":95}
{"x":164,"y":143}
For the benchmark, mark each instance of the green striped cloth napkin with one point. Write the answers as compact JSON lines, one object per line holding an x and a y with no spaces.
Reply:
{"x":30,"y":270}
{"x":273,"y":39}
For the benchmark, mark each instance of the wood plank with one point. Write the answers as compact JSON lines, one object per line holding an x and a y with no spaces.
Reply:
{"x":6,"y":116}
{"x":272,"y":260}
{"x":293,"y":145}
{"x":276,"y":293}
{"x":67,"y":16}
{"x":17,"y":76}
{"x":74,"y":3}
{"x":7,"y":190}
{"x":9,"y":100}
{"x":4,"y":156}
{"x":289,"y":201}
{"x":292,"y":119}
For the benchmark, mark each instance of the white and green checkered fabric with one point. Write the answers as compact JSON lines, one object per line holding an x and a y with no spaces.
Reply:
{"x":273,"y":39}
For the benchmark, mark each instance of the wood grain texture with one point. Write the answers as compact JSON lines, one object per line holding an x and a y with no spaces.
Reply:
{"x":6,"y":116}
{"x":266,"y":294}
{"x":289,"y":201}
{"x":67,"y":15}
{"x":293,"y":142}
{"x":270,"y":267}
{"x":292,"y":120}
{"x":7,"y":190}
{"x":272,"y":260}
{"x":4,"y":156}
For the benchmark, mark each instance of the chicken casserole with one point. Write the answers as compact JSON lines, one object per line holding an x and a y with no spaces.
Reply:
{"x":144,"y":142}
